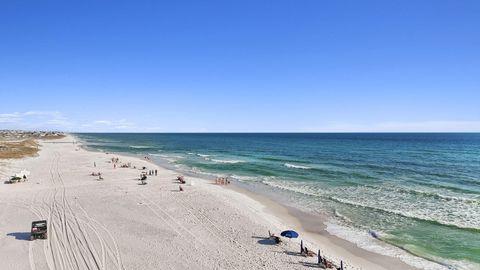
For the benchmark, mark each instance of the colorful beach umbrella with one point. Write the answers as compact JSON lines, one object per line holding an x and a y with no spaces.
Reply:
{"x":289,"y":234}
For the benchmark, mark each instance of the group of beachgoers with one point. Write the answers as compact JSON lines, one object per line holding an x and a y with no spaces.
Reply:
{"x":182,"y":181}
{"x":222,"y":181}
{"x":116,"y":160}
{"x":128,"y":165}
{"x":304,"y":251}
{"x":143,"y":175}
{"x":99,"y":174}
{"x":151,"y":172}
{"x":322,"y":260}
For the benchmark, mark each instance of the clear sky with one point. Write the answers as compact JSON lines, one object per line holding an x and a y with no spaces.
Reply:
{"x":240,"y":66}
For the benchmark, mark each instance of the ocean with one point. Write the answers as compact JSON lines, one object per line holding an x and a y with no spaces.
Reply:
{"x":416,"y":192}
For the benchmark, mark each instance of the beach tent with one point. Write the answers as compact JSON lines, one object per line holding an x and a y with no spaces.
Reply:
{"x":24,"y":172}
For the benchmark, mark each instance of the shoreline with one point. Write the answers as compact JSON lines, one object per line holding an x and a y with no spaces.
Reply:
{"x":242,"y":218}
{"x":314,"y":226}
{"x":311,"y":225}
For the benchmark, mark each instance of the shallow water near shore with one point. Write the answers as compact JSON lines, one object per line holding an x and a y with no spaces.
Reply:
{"x":418,"y":192}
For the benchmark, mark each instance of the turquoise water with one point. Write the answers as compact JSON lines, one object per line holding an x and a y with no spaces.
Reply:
{"x":418,"y":192}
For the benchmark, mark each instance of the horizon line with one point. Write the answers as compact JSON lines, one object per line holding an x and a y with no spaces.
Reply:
{"x":268,"y":132}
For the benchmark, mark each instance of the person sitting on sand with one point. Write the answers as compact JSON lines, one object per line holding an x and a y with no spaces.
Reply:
{"x":277,"y":240}
{"x":327,"y":264}
{"x":181,"y":179}
{"x":272,"y":236}
{"x":180,"y":187}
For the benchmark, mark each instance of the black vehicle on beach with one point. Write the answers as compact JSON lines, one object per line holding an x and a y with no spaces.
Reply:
{"x":39,"y":230}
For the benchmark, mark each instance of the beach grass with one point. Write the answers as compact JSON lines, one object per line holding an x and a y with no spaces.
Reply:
{"x":16,"y":147}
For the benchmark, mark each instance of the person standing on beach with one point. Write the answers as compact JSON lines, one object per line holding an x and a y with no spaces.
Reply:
{"x":155,"y":172}
{"x":94,"y":164}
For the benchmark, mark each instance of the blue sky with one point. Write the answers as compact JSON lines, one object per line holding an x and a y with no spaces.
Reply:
{"x":240,"y":66}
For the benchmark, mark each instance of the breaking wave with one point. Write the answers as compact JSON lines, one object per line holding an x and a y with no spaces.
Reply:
{"x":221,"y":161}
{"x":293,"y":166}
{"x":139,"y":146}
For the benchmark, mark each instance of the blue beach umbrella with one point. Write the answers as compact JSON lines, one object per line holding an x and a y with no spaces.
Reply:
{"x":289,"y":234}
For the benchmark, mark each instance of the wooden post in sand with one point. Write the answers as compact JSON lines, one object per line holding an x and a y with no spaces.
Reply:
{"x":319,"y":257}
{"x":301,"y":246}
{"x":341,"y":265}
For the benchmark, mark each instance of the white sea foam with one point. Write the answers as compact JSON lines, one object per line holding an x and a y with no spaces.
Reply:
{"x":168,"y":158}
{"x":362,"y":237}
{"x":203,"y":155}
{"x":462,"y":264}
{"x":293,"y":166}
{"x":108,"y":141}
{"x":225,"y":161}
{"x":244,"y":178}
{"x":162,"y":155}
{"x":364,"y":240}
{"x":139,"y":146}
{"x":459,"y":212}
{"x":298,"y":187}
{"x":345,"y":218}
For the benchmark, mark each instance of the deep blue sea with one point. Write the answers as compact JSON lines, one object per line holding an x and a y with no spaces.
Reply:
{"x":417,"y":192}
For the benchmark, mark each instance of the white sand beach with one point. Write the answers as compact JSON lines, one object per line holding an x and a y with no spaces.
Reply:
{"x":117,"y":223}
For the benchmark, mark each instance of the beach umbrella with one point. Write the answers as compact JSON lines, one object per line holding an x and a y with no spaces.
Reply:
{"x":289,"y":234}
